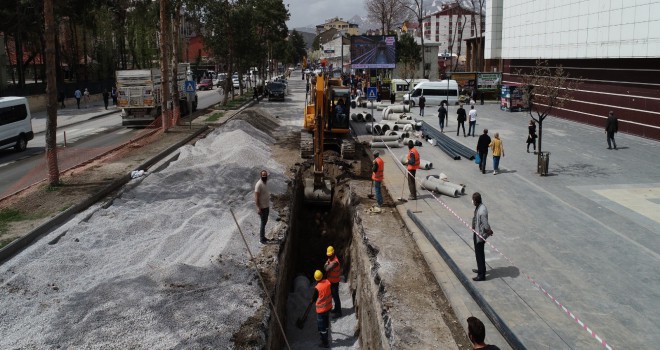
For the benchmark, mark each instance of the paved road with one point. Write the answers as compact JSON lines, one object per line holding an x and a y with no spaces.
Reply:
{"x":589,"y":233}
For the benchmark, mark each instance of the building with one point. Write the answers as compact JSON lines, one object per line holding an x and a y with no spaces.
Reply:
{"x":330,"y":48}
{"x":450,"y":26}
{"x":339,"y":24}
{"x":613,"y":47}
{"x":430,"y":59}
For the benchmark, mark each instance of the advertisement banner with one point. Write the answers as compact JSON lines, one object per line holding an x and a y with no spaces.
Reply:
{"x":488,"y":81}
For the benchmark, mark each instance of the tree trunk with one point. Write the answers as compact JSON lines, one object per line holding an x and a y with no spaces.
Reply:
{"x":51,"y":93}
{"x":176,"y":114}
{"x":164,"y":65}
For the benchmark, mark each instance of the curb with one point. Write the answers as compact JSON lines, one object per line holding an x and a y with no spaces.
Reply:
{"x":79,"y":122}
{"x":501,"y":326}
{"x":33,"y":236}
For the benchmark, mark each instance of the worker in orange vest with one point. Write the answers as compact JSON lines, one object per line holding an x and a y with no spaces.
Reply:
{"x":333,"y":272}
{"x":377,"y":176}
{"x":323,"y":298}
{"x":413,"y":165}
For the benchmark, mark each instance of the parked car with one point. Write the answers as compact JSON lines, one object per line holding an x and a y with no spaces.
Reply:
{"x":236,"y":83}
{"x":205,"y":84}
{"x":219,"y":81}
{"x":276,"y":91}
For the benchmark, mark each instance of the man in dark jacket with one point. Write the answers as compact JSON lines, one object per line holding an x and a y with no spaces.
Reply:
{"x":442,"y":115}
{"x":461,"y":117}
{"x":482,"y":149}
{"x":422,"y":104}
{"x":611,"y":128}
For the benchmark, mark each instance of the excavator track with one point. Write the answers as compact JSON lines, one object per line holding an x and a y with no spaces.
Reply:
{"x":306,"y":145}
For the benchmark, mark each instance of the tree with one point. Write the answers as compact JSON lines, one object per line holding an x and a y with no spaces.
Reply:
{"x":386,"y":12}
{"x":51,"y":94}
{"x":164,"y":63}
{"x":408,"y":56}
{"x":417,"y":8}
{"x":544,"y":89}
{"x":477,"y":7}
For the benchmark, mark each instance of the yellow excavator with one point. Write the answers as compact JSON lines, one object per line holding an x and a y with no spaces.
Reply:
{"x":326,"y":127}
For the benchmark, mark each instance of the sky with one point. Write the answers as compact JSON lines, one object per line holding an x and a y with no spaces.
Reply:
{"x":313,"y":12}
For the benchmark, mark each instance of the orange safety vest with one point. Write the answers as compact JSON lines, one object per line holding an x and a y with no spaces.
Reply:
{"x":417,"y":160}
{"x":324,"y":302}
{"x":333,"y":274}
{"x":379,"y":174}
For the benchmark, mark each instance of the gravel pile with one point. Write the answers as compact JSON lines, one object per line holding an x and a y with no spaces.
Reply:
{"x":163,"y":267}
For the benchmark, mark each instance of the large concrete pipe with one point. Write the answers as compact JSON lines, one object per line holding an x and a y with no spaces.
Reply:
{"x":400,"y":108}
{"x":405,"y":121}
{"x":386,"y":112}
{"x":407,"y":128}
{"x":442,"y":179}
{"x":439,"y":187}
{"x":392,"y":125}
{"x":360,"y":117}
{"x":384,"y":144}
{"x":378,"y":129}
{"x":368,"y":129}
{"x":354,"y":117}
{"x":385,"y":138}
{"x":367,"y":116}
{"x":425,"y":164}
{"x":417,"y":143}
{"x":392,"y":133}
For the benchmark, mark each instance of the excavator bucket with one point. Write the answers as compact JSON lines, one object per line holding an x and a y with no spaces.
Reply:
{"x":318,"y":190}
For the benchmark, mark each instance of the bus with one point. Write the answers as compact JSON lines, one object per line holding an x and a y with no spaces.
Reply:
{"x":15,"y":123}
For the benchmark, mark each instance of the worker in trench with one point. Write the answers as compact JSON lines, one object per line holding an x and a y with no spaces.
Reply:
{"x":323,"y":298}
{"x":333,"y":272}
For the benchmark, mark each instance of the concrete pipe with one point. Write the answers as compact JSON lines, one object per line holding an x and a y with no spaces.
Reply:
{"x":360,"y":117}
{"x":392,"y":133}
{"x":368,"y":129}
{"x":354,"y":117}
{"x":458,"y":187}
{"x":384,"y":128}
{"x":407,"y":128}
{"x":400,"y":108}
{"x":380,"y":107}
{"x":392,"y":125}
{"x":441,"y":179}
{"x":386,"y":111}
{"x":378,"y":129}
{"x":425,"y":164}
{"x":368,"y":117}
{"x":417,"y":143}
{"x":439,"y":187}
{"x":405,"y":121}
{"x":390,"y":116}
{"x":385,"y":138}
{"x":384,"y":144}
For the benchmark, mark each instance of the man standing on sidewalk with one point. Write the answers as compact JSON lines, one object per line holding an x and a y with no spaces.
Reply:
{"x":262,"y":199}
{"x":442,"y":115}
{"x":78,"y":95}
{"x":413,"y":165}
{"x":378,"y":175}
{"x":106,"y":97}
{"x":611,"y":128}
{"x":482,"y":149}
{"x":473,"y":121}
{"x":461,"y":117}
{"x":422,"y":104}
{"x":480,"y":225}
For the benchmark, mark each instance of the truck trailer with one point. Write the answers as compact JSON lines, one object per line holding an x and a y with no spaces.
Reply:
{"x":139,"y":94}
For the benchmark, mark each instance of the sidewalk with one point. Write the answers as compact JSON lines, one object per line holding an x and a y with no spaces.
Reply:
{"x":72,"y":115}
{"x":588,"y":233}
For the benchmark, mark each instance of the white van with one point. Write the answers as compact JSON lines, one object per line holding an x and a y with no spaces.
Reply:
{"x":15,"y":123}
{"x":435,"y":93}
{"x":402,"y":86}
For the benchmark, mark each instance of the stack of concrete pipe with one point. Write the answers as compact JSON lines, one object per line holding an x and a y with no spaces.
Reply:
{"x":417,"y":143}
{"x":434,"y":184}
{"x":423,"y":164}
{"x":381,"y":143}
{"x":361,"y":117}
{"x":442,"y":177}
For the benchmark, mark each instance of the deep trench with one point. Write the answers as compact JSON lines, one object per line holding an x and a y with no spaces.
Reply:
{"x":312,"y":229}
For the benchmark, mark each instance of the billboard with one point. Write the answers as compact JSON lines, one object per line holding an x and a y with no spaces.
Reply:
{"x":369,"y":52}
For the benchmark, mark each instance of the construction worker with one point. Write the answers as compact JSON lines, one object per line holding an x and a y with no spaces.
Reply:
{"x":333,"y":271}
{"x":377,"y":176}
{"x":323,"y":298}
{"x":413,"y":165}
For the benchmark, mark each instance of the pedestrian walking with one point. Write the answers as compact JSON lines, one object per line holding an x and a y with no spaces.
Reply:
{"x":531,"y":135}
{"x":461,"y":116}
{"x":611,"y":128}
{"x":332,"y":269}
{"x":392,"y":97}
{"x":255,"y":95}
{"x":497,"y":149}
{"x":422,"y":104}
{"x":106,"y":96}
{"x":473,"y":121}
{"x":323,"y":298}
{"x":482,"y":149}
{"x":482,"y":98}
{"x":78,"y":95}
{"x":86,"y":97}
{"x":477,"y":334}
{"x":113,"y":94}
{"x":413,"y":165}
{"x":481,"y":226}
{"x":262,"y":199}
{"x":378,"y":175}
{"x":442,"y":115}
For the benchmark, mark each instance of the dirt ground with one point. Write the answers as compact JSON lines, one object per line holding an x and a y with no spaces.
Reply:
{"x":40,"y":203}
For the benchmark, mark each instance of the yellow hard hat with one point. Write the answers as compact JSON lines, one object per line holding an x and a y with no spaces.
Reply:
{"x":331,"y":251}
{"x":318,"y":275}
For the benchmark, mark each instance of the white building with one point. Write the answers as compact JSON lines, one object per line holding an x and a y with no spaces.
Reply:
{"x":450,"y":26}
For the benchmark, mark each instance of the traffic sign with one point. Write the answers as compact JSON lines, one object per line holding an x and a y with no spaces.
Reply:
{"x":189,"y":86}
{"x":372,"y":93}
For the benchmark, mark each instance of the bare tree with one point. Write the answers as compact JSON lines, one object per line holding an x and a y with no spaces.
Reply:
{"x":417,"y":8}
{"x":477,"y":24}
{"x":544,"y":89}
{"x":386,"y":12}
{"x":164,"y":63}
{"x":456,"y":38}
{"x":176,"y":30}
{"x":51,"y":94}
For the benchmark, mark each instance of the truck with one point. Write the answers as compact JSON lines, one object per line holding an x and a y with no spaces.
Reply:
{"x":139,"y":94}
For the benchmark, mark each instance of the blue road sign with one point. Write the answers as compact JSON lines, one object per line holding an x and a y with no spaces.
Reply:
{"x":372,"y":93}
{"x":189,"y":86}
